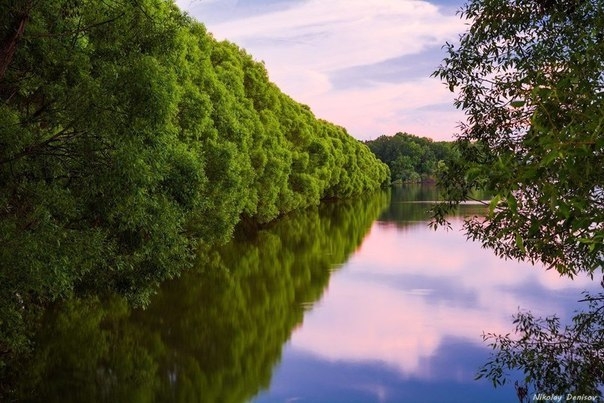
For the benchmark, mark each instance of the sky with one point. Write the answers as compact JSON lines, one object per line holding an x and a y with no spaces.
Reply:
{"x":361,"y":64}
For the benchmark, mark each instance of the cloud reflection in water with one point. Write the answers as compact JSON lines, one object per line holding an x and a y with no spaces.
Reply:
{"x":405,"y":292}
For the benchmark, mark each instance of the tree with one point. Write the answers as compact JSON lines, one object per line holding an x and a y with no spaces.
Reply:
{"x":529,"y":76}
{"x":554,"y":359}
{"x":128,"y":134}
{"x":411,"y":158}
{"x":88,"y":157}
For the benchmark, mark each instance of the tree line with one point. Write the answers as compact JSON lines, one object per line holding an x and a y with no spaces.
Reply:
{"x":411,"y":158}
{"x":128,"y":134}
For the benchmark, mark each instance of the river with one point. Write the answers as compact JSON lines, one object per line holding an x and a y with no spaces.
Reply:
{"x":353,"y":301}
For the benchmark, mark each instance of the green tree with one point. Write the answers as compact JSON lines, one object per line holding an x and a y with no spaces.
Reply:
{"x":411,"y":158}
{"x":553,"y":359}
{"x":89,"y":161}
{"x":128,"y":134}
{"x":528,"y":75}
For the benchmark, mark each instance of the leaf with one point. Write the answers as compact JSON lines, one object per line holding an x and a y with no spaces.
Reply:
{"x":512,"y":204}
{"x":493,"y":204}
{"x":549,"y":158}
{"x":520,"y":243}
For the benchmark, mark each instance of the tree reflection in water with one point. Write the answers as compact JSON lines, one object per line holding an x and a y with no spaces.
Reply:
{"x":213,"y":335}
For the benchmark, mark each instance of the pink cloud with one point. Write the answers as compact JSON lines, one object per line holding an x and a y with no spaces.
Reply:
{"x":302,"y":45}
{"x":375,"y":310}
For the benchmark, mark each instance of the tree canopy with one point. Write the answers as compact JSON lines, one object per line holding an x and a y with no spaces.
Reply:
{"x":128,"y":134}
{"x":411,"y":158}
{"x":529,"y":76}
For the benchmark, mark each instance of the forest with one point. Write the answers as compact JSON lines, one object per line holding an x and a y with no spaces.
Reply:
{"x":128,"y":136}
{"x":412,"y":158}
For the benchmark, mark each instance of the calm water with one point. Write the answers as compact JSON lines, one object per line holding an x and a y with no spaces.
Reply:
{"x":356,"y":301}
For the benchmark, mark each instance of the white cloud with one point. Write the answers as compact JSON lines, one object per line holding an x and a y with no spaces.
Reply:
{"x":303,"y":43}
{"x":328,"y":35}
{"x":389,"y":108}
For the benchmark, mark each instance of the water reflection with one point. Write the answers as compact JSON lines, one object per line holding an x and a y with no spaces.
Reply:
{"x":403,"y":292}
{"x":330,"y":305}
{"x":410,"y":205}
{"x":212,"y":336}
{"x":403,"y":318}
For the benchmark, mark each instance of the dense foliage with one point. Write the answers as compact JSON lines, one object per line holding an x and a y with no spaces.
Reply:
{"x":529,"y":75}
{"x":411,"y":158}
{"x":213,"y":335}
{"x":127,"y":133}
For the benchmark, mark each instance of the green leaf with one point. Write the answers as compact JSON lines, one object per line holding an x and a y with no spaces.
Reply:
{"x":549,"y":158}
{"x":493,"y":204}
{"x":520,"y":243}
{"x":512,"y":204}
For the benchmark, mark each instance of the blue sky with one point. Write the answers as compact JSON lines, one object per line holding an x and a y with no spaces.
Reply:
{"x":364,"y":65}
